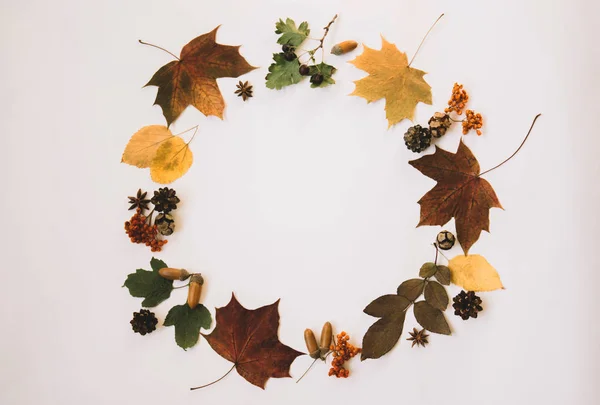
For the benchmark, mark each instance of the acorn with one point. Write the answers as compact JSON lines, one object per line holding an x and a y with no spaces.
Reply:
{"x":174,"y":274}
{"x":311,"y":344}
{"x":344,"y":47}
{"x":194,"y":290}
{"x":326,"y":337}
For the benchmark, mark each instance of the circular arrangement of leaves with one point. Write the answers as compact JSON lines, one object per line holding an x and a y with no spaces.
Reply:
{"x":249,"y":338}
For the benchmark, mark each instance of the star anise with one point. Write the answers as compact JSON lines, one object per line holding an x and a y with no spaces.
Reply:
{"x":244,"y":90}
{"x":139,"y":201}
{"x":418,"y":337}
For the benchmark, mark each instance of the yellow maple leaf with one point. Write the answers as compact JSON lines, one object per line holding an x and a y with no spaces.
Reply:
{"x":173,"y":159}
{"x":141,"y":148}
{"x":474,"y":273}
{"x":391,"y":78}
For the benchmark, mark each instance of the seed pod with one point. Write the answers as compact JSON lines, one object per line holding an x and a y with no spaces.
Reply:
{"x":174,"y":274}
{"x":344,"y":47}
{"x":311,"y":344}
{"x":194,"y":290}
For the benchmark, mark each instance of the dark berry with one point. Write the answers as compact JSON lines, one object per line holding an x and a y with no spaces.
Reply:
{"x":289,"y":56}
{"x":304,"y":70}
{"x":317,"y":78}
{"x":287,"y":48}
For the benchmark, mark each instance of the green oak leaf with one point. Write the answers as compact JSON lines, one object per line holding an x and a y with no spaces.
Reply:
{"x":149,"y":284}
{"x":326,"y":70}
{"x":283,"y":73}
{"x":290,"y":34}
{"x":187,"y":322}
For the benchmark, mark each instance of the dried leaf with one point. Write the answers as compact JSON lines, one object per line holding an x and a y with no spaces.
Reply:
{"x":290,"y":34}
{"x":431,"y":318}
{"x":443,"y":275}
{"x":382,"y":336}
{"x":149,"y":284}
{"x":391,"y":78}
{"x":436,"y":295}
{"x":460,"y":193}
{"x":427,"y":270}
{"x":474,"y":273}
{"x":173,"y":159}
{"x":386,"y":305}
{"x":142,"y":146}
{"x":191,"y":80}
{"x":248,"y":338}
{"x":412,"y":288}
{"x":187,"y":322}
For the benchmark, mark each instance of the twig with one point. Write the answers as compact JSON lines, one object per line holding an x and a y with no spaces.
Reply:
{"x":320,"y":46}
{"x":424,"y":38}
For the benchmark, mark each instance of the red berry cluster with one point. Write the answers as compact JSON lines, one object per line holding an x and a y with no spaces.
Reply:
{"x":140,"y":231}
{"x":342,"y":352}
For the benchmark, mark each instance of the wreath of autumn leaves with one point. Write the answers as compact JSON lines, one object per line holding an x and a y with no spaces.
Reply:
{"x":248,"y":338}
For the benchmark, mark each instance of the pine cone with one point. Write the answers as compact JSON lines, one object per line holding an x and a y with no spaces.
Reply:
{"x":439,"y":124}
{"x":143,"y":322}
{"x":165,"y":200}
{"x":165,"y":224}
{"x":417,"y":138}
{"x":466,"y":305}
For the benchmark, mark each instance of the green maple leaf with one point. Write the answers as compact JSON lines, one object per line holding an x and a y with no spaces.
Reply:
{"x":326,"y":70}
{"x":149,"y":284}
{"x":290,"y":34}
{"x":283,"y":73}
{"x":187,"y":322}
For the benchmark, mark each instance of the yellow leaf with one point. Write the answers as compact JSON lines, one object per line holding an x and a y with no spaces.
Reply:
{"x":142,"y":146}
{"x":474,"y":273}
{"x":173,"y":159}
{"x":391,"y":78}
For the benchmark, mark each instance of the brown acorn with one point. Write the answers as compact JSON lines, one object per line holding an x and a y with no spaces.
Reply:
{"x":194,"y":290}
{"x":344,"y":47}
{"x":326,"y":337}
{"x":174,"y":274}
{"x":311,"y":344}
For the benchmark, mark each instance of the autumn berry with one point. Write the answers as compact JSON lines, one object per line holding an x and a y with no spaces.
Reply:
{"x":317,"y":78}
{"x":289,"y":56}
{"x":287,"y":48}
{"x":458,"y":100}
{"x":342,"y":352}
{"x":472,"y":121}
{"x":304,"y":70}
{"x":417,"y":138}
{"x":445,"y":240}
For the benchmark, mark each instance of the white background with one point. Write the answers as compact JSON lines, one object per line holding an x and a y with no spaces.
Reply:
{"x":299,"y":194}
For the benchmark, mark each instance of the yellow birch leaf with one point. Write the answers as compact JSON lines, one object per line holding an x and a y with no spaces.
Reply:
{"x":173,"y":159}
{"x":142,"y":146}
{"x":474,"y":273}
{"x":391,"y":78}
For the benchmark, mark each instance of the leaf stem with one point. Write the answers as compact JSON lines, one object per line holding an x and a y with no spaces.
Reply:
{"x":188,"y":130}
{"x":214,"y":382}
{"x":424,"y":38}
{"x":518,"y":149}
{"x":312,"y":51}
{"x":181,"y":286}
{"x":307,"y":370}
{"x":436,"y":253}
{"x":158,"y":47}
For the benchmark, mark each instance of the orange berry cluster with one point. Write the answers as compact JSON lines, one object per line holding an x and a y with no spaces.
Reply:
{"x":473,"y":121}
{"x":458,"y":100}
{"x":342,"y":352}
{"x":139,"y":231}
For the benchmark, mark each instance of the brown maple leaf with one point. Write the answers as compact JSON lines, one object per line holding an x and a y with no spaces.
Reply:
{"x":460,"y":192}
{"x":191,"y":80}
{"x":248,"y":338}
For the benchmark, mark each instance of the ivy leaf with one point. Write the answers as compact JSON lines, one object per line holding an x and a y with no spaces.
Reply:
{"x":391,"y":78}
{"x":436,"y":295}
{"x":427,"y":270}
{"x":283,"y":73}
{"x":386,"y":305}
{"x":474,"y":273}
{"x":412,"y":288}
{"x":431,"y":318}
{"x":460,"y":192}
{"x":382,"y":336}
{"x":149,"y":284}
{"x":187,"y":322}
{"x":443,"y":275}
{"x":290,"y":34}
{"x":326,"y":70}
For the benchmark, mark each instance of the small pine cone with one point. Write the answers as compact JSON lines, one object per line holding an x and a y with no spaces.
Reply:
{"x":165,"y":200}
{"x":143,"y":322}
{"x":417,"y":138}
{"x":439,"y":124}
{"x":165,"y":224}
{"x":467,"y":305}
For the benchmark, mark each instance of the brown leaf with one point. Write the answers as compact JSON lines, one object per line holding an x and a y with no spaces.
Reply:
{"x":443,"y":275}
{"x":436,"y":295}
{"x":412,"y":288}
{"x":386,"y":305}
{"x":191,"y":80}
{"x":382,"y":336}
{"x":248,"y":338}
{"x":459,"y":193}
{"x":431,"y":318}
